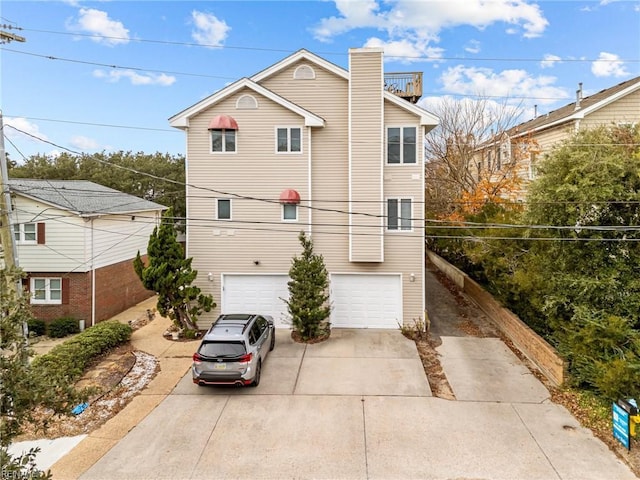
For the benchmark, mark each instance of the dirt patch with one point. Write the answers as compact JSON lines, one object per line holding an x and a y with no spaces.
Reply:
{"x":435,"y":374}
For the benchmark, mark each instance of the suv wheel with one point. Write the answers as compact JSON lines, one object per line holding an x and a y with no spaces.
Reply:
{"x":256,"y":379}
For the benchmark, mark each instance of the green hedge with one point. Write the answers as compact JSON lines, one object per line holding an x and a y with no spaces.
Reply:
{"x":63,"y":327}
{"x":69,"y":359}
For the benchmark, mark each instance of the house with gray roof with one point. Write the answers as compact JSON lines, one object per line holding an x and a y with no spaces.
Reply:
{"x":76,"y":240}
{"x":523,"y":146}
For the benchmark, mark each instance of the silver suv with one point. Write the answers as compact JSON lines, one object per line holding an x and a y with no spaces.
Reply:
{"x":233,"y":350}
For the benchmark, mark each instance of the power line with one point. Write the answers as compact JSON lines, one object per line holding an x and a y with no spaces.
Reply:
{"x":341,"y":54}
{"x":141,"y":69}
{"x":110,"y":125}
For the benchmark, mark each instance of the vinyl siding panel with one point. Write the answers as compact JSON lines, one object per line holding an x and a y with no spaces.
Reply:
{"x":69,"y":238}
{"x":252,"y":178}
{"x":117,"y":238}
{"x":65,"y":233}
{"x":233,"y":246}
{"x":326,"y":96}
{"x":624,"y":110}
{"x":366,"y":137}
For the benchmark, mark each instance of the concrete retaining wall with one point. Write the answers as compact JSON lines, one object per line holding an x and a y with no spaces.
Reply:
{"x":532,"y":345}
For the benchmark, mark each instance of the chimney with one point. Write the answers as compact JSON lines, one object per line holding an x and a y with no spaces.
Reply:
{"x":578,"y":96}
{"x":535,"y":111}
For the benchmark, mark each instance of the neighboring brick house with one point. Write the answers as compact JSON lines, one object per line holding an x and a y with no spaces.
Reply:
{"x":307,"y":145}
{"x":76,"y":240}
{"x":526,"y":144}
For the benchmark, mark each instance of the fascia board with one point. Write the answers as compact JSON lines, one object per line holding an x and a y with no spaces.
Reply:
{"x":181,"y":120}
{"x":300,"y":55}
{"x":427,"y":119}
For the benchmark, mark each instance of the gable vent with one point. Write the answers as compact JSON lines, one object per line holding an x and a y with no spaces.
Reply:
{"x":246,"y":102}
{"x":304,"y":72}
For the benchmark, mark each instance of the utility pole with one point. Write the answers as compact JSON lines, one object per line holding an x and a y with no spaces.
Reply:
{"x":7,"y":238}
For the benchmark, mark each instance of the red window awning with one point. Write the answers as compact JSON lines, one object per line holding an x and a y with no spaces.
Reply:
{"x":290,"y":196}
{"x":223,"y":122}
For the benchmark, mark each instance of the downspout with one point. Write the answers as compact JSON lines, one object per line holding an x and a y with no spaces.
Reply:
{"x":93,"y":282}
{"x":309,"y":204}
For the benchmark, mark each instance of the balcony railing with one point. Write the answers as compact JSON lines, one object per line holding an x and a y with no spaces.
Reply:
{"x":407,"y":85}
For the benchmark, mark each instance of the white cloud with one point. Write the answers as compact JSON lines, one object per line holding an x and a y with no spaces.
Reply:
{"x":609,"y":65}
{"x":413,"y":21}
{"x":209,"y":30}
{"x":550,"y":60}
{"x":136,"y":78}
{"x":405,"y":51}
{"x":473,"y":46}
{"x":98,"y":24}
{"x":24,"y":125}
{"x":84,"y":143}
{"x":512,"y":83}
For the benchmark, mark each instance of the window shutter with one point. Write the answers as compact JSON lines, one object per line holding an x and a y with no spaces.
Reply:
{"x":41,"y":239}
{"x":65,"y":291}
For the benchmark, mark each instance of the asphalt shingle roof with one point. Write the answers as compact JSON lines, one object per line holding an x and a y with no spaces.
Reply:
{"x":81,"y":196}
{"x":569,"y":110}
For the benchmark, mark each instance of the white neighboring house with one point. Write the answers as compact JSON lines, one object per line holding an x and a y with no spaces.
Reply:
{"x":76,"y":240}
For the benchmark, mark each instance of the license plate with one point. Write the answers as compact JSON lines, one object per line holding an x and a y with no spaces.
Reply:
{"x":219,"y":366}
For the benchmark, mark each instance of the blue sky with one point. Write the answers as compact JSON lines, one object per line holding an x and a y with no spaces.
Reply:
{"x":60,"y":85}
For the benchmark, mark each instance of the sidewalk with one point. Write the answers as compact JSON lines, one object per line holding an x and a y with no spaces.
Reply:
{"x":174,"y":359}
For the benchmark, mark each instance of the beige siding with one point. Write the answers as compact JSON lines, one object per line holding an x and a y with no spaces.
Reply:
{"x":625,"y":110}
{"x":365,"y":170}
{"x":231,"y":247}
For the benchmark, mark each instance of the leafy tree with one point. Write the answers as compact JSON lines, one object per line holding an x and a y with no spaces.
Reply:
{"x":454,"y":183}
{"x":169,"y":274}
{"x":308,"y":296}
{"x":23,"y":388}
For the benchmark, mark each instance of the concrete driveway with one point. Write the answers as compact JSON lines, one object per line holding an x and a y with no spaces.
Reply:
{"x":355,"y":407}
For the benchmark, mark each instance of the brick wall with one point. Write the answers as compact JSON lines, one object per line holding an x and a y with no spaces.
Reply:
{"x":532,"y":345}
{"x":117,"y":288}
{"x":79,"y":299}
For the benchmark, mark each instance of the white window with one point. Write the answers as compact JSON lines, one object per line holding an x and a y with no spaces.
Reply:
{"x":289,"y":139}
{"x":399,"y":214}
{"x":401,"y":145}
{"x":223,"y":209}
{"x":46,"y":290}
{"x":246,"y":102}
{"x":304,"y":72}
{"x":25,"y":233}
{"x":223,"y":141}
{"x":290,"y":212}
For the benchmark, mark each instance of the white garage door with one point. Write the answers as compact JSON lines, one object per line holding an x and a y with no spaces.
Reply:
{"x":256,"y":294}
{"x":366,"y":301}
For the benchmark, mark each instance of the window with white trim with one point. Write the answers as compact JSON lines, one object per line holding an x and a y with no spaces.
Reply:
{"x":46,"y":291}
{"x":401,"y":145}
{"x":246,"y":102}
{"x":288,"y":139}
{"x":223,"y":209}
{"x":289,"y":212}
{"x":25,"y":233}
{"x":399,"y":214}
{"x":304,"y":72}
{"x":223,"y":141}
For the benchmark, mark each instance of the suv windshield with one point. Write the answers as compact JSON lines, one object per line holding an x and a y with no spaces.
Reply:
{"x":222,"y":349}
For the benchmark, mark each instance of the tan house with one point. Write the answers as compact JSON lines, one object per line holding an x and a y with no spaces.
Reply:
{"x":305,"y":145}
{"x":525,"y":144}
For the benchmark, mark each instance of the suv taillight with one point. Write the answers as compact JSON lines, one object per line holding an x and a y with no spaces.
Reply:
{"x":196,"y":357}
{"x":246,"y":358}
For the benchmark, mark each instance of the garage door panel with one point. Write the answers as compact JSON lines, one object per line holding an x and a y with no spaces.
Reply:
{"x":366,"y":301}
{"x":256,"y":294}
